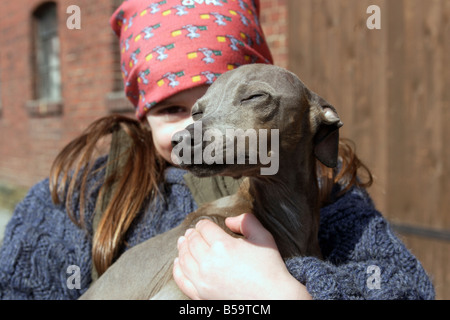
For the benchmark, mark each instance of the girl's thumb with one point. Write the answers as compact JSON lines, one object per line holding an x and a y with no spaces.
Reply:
{"x":247,"y":225}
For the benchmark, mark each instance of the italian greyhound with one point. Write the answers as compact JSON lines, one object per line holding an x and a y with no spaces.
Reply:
{"x":256,"y":96}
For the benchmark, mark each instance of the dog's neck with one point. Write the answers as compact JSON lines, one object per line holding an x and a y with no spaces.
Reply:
{"x":287,"y":205}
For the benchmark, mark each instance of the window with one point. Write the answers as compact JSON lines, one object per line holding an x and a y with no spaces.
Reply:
{"x":48,"y":78}
{"x":46,"y":60}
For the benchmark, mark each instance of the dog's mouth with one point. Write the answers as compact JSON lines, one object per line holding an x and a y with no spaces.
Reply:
{"x":203,"y":162}
{"x":206,"y":160}
{"x":203,"y":171}
{"x":211,"y":152}
{"x":234,"y":171}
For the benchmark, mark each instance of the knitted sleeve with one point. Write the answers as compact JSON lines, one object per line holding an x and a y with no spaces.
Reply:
{"x":363,"y":258}
{"x":40,"y":244}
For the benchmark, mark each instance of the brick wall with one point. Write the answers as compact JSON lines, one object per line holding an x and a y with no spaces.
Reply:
{"x":274,"y":20}
{"x":30,"y":138}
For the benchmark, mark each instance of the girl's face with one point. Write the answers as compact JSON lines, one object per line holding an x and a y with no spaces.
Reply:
{"x":170,"y":116}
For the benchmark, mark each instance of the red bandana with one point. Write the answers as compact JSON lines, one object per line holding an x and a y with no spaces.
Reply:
{"x":172,"y":45}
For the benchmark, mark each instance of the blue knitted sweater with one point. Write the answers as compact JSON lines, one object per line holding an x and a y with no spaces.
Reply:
{"x":363,"y":259}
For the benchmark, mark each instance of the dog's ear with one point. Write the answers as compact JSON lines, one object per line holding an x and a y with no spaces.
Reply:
{"x":325,"y":123}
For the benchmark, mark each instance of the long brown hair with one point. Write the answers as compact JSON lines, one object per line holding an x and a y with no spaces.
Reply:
{"x":136,"y":179}
{"x":350,"y":172}
{"x":141,"y":171}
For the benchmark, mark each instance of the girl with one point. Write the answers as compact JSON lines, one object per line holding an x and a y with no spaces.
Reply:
{"x":92,"y":209}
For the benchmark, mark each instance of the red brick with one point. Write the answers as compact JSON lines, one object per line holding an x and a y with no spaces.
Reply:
{"x":28,"y":145}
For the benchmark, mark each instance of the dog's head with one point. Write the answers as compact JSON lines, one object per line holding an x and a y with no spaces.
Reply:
{"x":250,"y":118}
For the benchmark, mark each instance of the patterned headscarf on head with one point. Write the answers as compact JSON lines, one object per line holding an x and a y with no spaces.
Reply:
{"x":172,"y":45}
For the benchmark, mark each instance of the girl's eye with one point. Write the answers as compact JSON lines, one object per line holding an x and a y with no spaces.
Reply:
{"x":171,"y":110}
{"x":173,"y":113}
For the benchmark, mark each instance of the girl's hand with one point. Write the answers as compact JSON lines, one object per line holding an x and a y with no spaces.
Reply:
{"x":211,"y":264}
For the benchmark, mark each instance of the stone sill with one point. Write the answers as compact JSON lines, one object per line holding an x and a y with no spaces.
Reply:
{"x":44,"y":108}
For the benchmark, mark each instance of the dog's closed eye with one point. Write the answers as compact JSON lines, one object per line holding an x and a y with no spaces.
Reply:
{"x":254,"y":96}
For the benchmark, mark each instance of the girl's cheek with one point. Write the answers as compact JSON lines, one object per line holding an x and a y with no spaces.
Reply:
{"x":162,"y":139}
{"x":163,"y":132}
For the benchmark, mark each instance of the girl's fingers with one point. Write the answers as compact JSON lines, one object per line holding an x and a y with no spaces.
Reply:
{"x":185,"y":259}
{"x":197,"y":245}
{"x":211,"y":232}
{"x":182,"y":282}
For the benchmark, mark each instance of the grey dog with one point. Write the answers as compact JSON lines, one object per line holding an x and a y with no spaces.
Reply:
{"x":256,"y":96}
